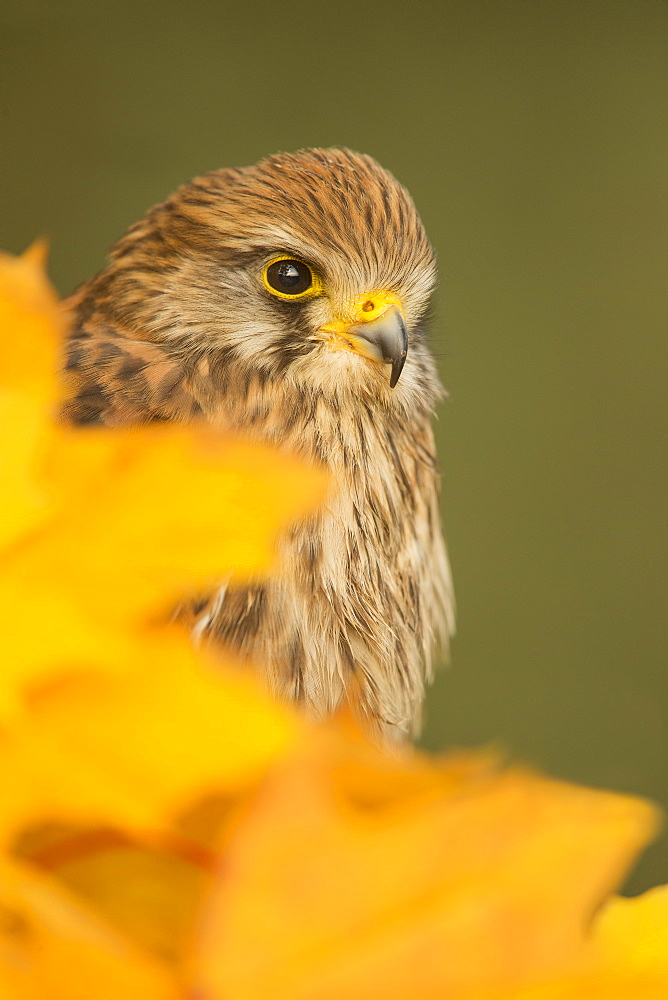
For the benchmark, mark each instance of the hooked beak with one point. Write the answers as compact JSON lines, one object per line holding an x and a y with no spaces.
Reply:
{"x":383,"y":339}
{"x":377,"y":331}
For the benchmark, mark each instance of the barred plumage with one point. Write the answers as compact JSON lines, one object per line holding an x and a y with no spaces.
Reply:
{"x":179,"y":326}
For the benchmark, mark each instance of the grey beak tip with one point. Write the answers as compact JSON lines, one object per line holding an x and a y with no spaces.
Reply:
{"x":397,"y":368}
{"x":389,"y":338}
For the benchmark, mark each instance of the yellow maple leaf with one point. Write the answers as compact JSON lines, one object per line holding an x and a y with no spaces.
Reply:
{"x":142,"y":519}
{"x":31,"y":324}
{"x":24,"y":504}
{"x":152,"y":514}
{"x":136,"y":747}
{"x":99,"y":529}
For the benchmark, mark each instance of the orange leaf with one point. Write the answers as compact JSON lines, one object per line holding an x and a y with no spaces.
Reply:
{"x":489,"y":886}
{"x":147,"y":888}
{"x":53,"y":948}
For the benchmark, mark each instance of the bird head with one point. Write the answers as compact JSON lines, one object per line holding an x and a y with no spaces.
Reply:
{"x":311,"y":267}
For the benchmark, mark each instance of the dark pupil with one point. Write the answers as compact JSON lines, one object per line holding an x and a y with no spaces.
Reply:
{"x":289,"y":276}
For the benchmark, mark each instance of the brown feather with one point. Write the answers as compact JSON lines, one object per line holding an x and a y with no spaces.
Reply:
{"x":178,"y":326}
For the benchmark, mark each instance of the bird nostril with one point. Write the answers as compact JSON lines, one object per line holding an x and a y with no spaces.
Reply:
{"x":368,"y":306}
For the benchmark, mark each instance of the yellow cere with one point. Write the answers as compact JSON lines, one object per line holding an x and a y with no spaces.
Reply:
{"x":364,"y":309}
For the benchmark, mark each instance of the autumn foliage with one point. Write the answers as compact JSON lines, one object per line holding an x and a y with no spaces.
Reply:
{"x":169,"y":833}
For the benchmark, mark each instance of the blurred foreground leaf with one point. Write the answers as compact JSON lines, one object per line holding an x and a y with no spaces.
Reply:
{"x":102,"y":529}
{"x":488,"y":885}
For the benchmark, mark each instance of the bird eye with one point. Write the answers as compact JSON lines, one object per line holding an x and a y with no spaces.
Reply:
{"x":290,"y":278}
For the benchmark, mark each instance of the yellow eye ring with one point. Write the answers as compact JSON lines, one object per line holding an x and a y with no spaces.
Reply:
{"x":289,"y":278}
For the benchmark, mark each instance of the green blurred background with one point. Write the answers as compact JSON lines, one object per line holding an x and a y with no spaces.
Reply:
{"x":529,"y":132}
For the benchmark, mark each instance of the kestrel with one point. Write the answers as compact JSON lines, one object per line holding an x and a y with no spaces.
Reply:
{"x":287,"y":300}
